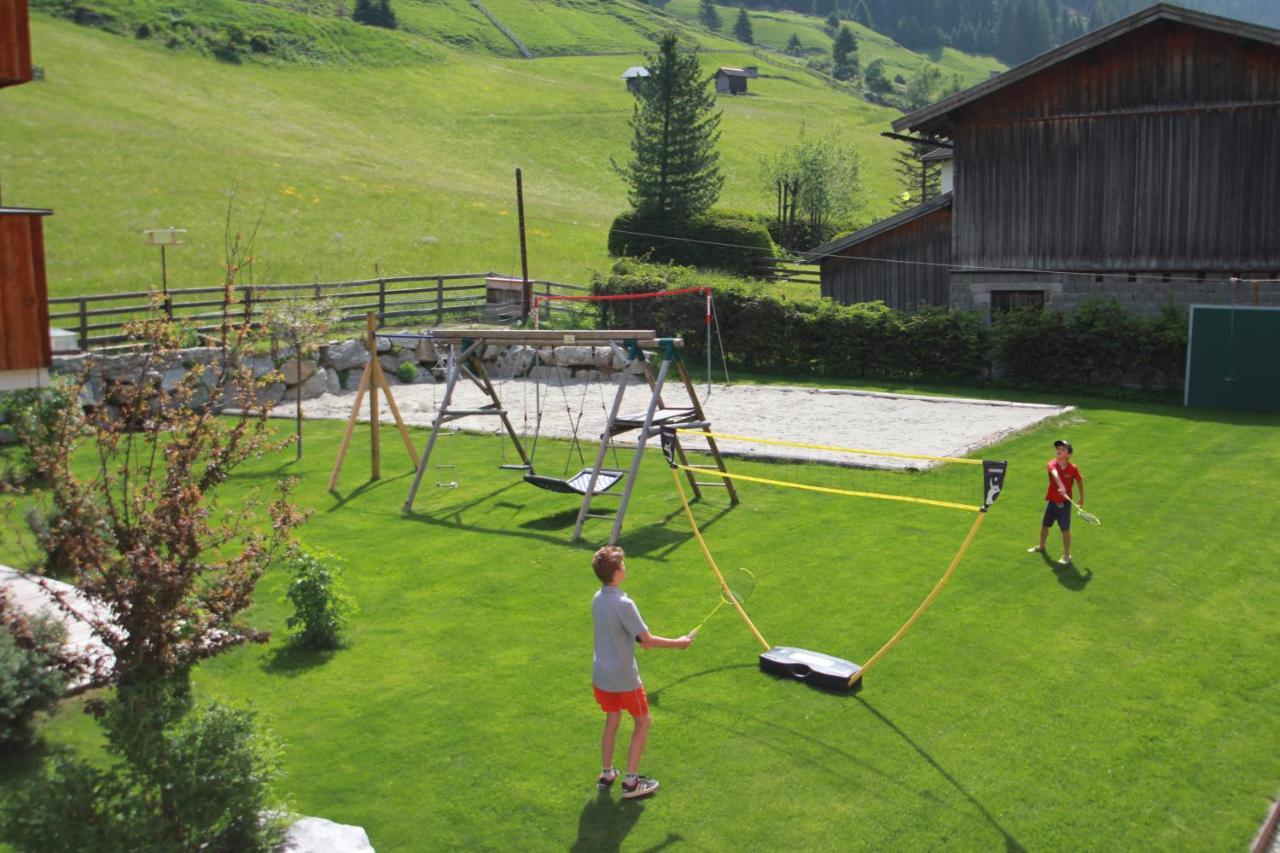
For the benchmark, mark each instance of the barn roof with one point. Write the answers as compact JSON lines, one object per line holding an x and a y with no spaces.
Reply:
{"x":933,"y":117}
{"x":733,"y":72}
{"x":635,"y":71}
{"x":909,"y":215}
{"x":937,"y":154}
{"x":25,"y":211}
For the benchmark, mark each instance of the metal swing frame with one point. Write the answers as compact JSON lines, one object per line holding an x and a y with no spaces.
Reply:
{"x":466,"y":348}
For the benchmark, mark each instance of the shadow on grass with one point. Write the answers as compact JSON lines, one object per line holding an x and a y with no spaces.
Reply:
{"x":1011,"y":844}
{"x":1069,"y":576}
{"x":341,"y":499}
{"x":292,"y":660}
{"x":604,"y":823}
{"x":655,"y":698}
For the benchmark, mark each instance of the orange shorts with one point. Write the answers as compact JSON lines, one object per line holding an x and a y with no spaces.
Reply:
{"x":632,"y":701}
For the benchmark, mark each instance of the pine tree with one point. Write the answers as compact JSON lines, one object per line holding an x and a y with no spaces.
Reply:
{"x":674,"y":172}
{"x":742,"y":27}
{"x":844,"y":55}
{"x":364,"y":12}
{"x":861,"y":13}
{"x":920,"y":182}
{"x":709,"y":15}
{"x":832,"y":23}
{"x":387,"y":15}
{"x":794,"y":47}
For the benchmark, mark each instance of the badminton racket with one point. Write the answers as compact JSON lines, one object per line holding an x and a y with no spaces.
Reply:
{"x":1084,"y":513}
{"x":740,"y":583}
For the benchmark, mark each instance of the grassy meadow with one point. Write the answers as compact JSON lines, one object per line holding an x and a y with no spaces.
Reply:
{"x":1125,"y":702}
{"x":407,"y":166}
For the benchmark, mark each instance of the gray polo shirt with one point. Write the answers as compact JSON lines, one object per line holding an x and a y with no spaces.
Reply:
{"x":617,"y":624}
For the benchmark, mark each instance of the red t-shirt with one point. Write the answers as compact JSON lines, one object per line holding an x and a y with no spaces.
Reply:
{"x":1069,"y":475}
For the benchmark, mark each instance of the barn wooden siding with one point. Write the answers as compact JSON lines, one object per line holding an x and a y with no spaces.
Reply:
{"x":24,"y":302}
{"x":905,"y":286}
{"x":1159,"y":150}
{"x":15,"y":43}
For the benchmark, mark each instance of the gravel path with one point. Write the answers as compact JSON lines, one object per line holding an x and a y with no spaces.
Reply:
{"x":937,"y":426}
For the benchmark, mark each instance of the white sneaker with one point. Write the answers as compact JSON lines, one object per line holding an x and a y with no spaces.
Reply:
{"x":1035,"y":549}
{"x":642,"y":787}
{"x":1065,"y":561}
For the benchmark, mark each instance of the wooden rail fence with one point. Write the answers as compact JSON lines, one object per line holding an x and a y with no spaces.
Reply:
{"x":100,"y":320}
{"x":780,"y":269}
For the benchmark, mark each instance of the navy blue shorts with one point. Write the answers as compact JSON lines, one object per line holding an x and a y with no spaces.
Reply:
{"x":1060,"y":513}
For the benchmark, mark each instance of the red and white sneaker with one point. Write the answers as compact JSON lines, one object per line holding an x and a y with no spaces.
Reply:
{"x":641,"y":787}
{"x":607,"y":778}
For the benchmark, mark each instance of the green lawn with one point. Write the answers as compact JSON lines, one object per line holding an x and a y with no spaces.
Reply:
{"x":409,"y":166}
{"x":1129,"y":702}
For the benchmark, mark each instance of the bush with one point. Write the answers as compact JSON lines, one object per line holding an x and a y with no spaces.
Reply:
{"x":28,"y":682}
{"x":320,"y":608}
{"x":725,"y":240}
{"x":407,"y":372}
{"x":206,"y":784}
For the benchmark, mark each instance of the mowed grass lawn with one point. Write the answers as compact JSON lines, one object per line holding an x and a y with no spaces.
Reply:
{"x":1130,"y":702}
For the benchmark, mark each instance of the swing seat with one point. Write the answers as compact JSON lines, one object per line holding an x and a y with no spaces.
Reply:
{"x":825,"y":671}
{"x":577,"y":484}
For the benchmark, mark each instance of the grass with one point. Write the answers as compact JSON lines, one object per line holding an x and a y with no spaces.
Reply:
{"x":406,"y":166}
{"x":1128,"y":702}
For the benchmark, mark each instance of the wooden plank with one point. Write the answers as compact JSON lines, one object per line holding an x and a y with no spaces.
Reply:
{"x":554,"y":337}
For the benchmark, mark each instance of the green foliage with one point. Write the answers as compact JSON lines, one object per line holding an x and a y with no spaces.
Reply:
{"x":794,"y":47}
{"x":816,"y":187}
{"x":35,"y":415}
{"x":875,"y":78}
{"x":320,"y":608}
{"x":375,"y":13}
{"x":717,"y":240}
{"x":203,"y":782}
{"x":29,"y":683}
{"x":407,"y":372}
{"x":708,"y":14}
{"x":742,"y":27}
{"x":674,"y":171}
{"x":844,"y":55}
{"x":919,"y":181}
{"x":922,"y":85}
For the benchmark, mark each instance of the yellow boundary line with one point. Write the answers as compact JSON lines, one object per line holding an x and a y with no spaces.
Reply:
{"x":706,"y":552}
{"x":828,"y":490}
{"x":862,"y":451}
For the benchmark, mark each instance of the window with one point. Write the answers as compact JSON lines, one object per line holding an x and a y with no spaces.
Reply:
{"x":1003,"y":301}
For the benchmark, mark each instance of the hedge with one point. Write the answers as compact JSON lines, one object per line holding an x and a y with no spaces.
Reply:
{"x":1101,"y":347}
{"x":720,"y":240}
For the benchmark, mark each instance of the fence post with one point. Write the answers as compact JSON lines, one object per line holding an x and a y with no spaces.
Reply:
{"x":382,"y":296}
{"x":84,"y":323}
{"x":248,"y":305}
{"x":440,"y":301}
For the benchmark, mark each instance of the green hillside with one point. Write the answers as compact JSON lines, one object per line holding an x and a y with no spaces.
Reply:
{"x":405,"y":162}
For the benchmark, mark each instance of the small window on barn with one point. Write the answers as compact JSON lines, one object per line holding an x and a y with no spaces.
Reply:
{"x":1003,"y":301}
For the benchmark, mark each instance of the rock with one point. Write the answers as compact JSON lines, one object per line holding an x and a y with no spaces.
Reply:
{"x":313,"y":387}
{"x":317,"y":835}
{"x":384,"y":345}
{"x":516,"y":361}
{"x":603,"y":358}
{"x":262,"y":395}
{"x":259,"y":365}
{"x":332,"y":381}
{"x":91,"y":390}
{"x":172,"y":378}
{"x":296,"y":371}
{"x":574,"y":357}
{"x":348,"y":354}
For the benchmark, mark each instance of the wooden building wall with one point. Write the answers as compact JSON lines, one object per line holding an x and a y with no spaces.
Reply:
{"x":15,"y":43}
{"x":24,"y":298}
{"x":1159,"y":150}
{"x":905,"y":286}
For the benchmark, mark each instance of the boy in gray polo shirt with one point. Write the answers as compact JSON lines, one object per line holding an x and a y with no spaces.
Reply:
{"x":614,"y":674}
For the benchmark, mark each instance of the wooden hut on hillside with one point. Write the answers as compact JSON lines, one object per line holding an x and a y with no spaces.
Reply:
{"x":732,"y":81}
{"x":633,"y":76}
{"x":1140,"y":161}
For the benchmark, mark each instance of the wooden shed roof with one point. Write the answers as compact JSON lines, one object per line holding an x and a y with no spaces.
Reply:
{"x":933,"y":119}
{"x":874,"y":230}
{"x":25,"y":211}
{"x":733,"y":72}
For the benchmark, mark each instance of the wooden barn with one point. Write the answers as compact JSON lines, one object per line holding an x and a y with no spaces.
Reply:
{"x":25,"y":352}
{"x":732,"y":81}
{"x":633,"y":76}
{"x":15,"y":43}
{"x":1141,"y":161}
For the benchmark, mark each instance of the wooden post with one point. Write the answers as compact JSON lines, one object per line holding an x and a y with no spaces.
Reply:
{"x":382,"y":294}
{"x":375,"y":371}
{"x":440,"y":301}
{"x":84,"y":323}
{"x":248,"y":311}
{"x":526,"y":291}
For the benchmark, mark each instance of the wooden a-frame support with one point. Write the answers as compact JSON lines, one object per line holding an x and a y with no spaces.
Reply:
{"x":372,"y":380}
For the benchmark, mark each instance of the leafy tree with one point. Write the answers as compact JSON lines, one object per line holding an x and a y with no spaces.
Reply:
{"x":844,"y":55}
{"x":674,"y":171}
{"x":877,"y":81}
{"x":709,"y":15}
{"x":815,"y":183}
{"x":921,"y":86}
{"x":30,"y":680}
{"x":794,"y":47}
{"x":742,"y":27}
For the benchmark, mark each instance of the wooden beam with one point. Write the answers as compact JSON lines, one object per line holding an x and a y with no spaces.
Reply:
{"x":554,"y":337}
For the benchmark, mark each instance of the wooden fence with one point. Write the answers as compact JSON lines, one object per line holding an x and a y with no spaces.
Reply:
{"x":100,"y":320}
{"x":779,"y":269}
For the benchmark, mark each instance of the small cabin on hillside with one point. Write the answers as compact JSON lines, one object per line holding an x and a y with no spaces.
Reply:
{"x":633,"y":76}
{"x":25,"y":351}
{"x":15,"y":43}
{"x":732,"y":81}
{"x":1139,"y":161}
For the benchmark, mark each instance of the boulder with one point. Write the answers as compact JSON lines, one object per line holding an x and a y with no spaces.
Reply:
{"x":574,"y":357}
{"x":317,"y":835}
{"x":172,"y":378}
{"x":347,"y":355}
{"x":263,"y":395}
{"x":603,"y":358}
{"x":313,"y":387}
{"x":332,"y":381}
{"x":91,"y":390}
{"x":259,"y":365}
{"x":384,"y":345}
{"x":295,"y":371}
{"x":516,"y":361}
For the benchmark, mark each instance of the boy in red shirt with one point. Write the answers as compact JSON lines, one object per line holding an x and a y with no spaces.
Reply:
{"x":1063,"y":476}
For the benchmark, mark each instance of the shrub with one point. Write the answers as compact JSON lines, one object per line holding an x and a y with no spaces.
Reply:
{"x":724,"y":240}
{"x":28,"y":682}
{"x":407,"y":372}
{"x":207,"y":783}
{"x":320,"y":608}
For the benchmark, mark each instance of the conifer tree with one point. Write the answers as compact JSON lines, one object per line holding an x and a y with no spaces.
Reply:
{"x":844,"y":55}
{"x":674,"y":171}
{"x":742,"y":27}
{"x":832,"y":23}
{"x":920,"y":182}
{"x":794,"y":47}
{"x":709,"y":15}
